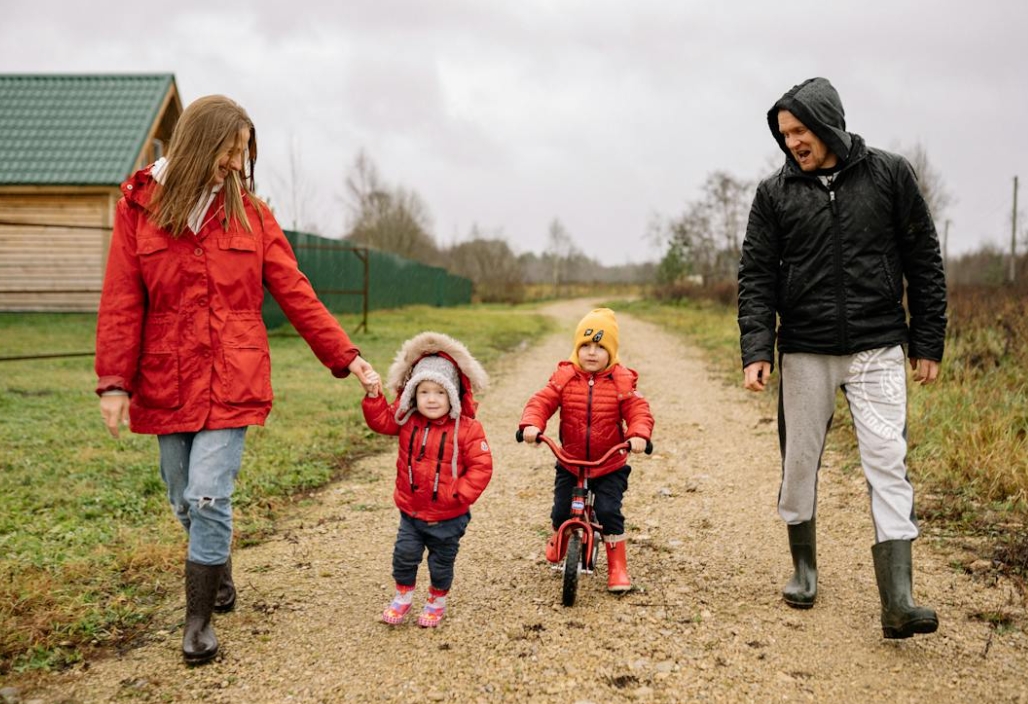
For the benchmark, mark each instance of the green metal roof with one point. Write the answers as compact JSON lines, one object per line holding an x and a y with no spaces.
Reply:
{"x":75,"y":129}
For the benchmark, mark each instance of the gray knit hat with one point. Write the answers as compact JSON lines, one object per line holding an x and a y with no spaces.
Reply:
{"x":432,"y":368}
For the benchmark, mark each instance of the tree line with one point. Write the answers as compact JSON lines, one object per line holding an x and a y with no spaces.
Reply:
{"x":701,"y":244}
{"x":396,"y":219}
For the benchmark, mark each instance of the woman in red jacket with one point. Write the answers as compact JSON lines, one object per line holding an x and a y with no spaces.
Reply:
{"x":599,"y":408}
{"x":181,"y":348}
{"x":443,"y":465}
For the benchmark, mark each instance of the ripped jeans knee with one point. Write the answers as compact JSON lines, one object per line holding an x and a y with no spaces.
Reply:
{"x":199,"y":470}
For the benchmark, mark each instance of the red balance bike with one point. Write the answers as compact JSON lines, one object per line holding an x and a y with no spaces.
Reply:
{"x":579,"y":537}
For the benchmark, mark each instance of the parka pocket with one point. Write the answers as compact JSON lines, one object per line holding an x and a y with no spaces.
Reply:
{"x":785,"y":284}
{"x":158,"y":382}
{"x":246,"y":360}
{"x":239,"y":243}
{"x":893,"y":279}
{"x":158,"y":378}
{"x":151,"y":245}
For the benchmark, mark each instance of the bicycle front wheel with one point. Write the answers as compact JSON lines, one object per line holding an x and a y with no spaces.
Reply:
{"x":572,"y":563}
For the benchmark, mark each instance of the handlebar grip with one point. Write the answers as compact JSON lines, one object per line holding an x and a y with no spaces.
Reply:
{"x":520,"y":435}
{"x":649,"y":447}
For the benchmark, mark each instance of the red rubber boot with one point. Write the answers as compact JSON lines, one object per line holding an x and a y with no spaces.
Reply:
{"x":617,"y":565}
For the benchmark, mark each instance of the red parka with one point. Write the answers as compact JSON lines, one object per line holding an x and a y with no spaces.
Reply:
{"x":180,"y":326}
{"x":597,"y":411}
{"x":425,"y":456}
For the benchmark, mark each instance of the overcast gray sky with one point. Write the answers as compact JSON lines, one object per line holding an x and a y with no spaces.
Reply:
{"x":601,"y":113}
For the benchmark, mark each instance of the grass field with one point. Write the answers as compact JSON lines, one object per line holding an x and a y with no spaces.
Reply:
{"x":88,"y":545}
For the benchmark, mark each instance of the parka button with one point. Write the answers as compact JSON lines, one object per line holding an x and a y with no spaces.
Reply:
{"x":129,"y":187}
{"x":198,"y":251}
{"x":202,"y":302}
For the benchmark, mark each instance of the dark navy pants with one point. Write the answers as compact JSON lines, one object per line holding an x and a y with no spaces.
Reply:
{"x":442,"y":538}
{"x":608,"y":491}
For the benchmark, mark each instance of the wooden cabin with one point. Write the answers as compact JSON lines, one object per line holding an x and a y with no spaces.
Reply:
{"x":66,"y":144}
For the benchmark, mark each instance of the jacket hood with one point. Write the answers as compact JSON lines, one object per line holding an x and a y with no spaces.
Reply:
{"x":472,"y":376}
{"x":816,"y":104}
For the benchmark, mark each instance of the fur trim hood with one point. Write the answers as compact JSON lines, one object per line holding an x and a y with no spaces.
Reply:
{"x":472,"y":376}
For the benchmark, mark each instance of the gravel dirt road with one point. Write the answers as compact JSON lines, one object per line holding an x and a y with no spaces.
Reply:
{"x":707,"y":552}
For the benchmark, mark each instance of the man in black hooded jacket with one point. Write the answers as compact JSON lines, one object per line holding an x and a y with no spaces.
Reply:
{"x":831,"y":237}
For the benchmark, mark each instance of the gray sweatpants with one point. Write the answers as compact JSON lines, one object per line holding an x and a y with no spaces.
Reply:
{"x":875,"y":385}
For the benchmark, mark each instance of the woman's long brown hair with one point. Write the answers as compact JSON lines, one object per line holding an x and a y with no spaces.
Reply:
{"x":197,"y":143}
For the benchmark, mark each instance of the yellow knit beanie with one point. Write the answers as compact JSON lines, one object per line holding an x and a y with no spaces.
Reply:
{"x":599,"y":326}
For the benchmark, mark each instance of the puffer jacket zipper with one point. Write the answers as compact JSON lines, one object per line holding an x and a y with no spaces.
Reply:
{"x":438,"y":466}
{"x":589,"y":417}
{"x":410,"y":461}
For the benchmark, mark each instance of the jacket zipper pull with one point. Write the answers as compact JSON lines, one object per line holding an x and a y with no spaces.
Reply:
{"x":438,"y":466}
{"x":424,"y":441}
{"x":410,"y":459}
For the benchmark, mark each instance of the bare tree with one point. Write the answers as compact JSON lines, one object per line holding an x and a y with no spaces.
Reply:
{"x":930,"y":183}
{"x":706,"y":239}
{"x":491,"y":265}
{"x":559,"y":248}
{"x":390,"y":219}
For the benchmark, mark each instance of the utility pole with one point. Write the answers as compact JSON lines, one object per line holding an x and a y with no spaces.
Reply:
{"x":1013,"y":236}
{"x":945,"y":243}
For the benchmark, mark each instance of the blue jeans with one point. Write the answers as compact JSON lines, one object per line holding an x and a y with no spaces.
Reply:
{"x":442,"y":538}
{"x":200,"y":472}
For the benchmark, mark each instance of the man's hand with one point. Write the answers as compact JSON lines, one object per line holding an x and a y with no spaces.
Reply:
{"x":755,"y":375}
{"x":115,"y":411}
{"x":926,"y":371}
{"x":530,"y":433}
{"x":636,"y":445}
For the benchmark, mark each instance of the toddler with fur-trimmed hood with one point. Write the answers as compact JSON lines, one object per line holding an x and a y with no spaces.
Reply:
{"x":443,"y":465}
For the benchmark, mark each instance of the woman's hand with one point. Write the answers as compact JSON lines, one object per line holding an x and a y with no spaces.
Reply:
{"x":115,"y":411}
{"x":366,"y":375}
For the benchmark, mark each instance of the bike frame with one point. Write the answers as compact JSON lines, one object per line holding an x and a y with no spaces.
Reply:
{"x":582,"y":517}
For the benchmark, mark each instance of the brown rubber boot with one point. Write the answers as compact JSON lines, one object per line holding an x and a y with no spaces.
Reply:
{"x":199,"y":644}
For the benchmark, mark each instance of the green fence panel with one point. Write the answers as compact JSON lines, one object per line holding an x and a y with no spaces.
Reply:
{"x":337,"y":275}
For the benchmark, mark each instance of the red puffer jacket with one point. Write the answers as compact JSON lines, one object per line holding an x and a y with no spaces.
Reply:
{"x":180,"y":327}
{"x":594,"y":411}
{"x":425,"y":485}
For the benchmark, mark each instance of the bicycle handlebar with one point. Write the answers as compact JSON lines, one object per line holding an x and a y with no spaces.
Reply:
{"x":558,"y":452}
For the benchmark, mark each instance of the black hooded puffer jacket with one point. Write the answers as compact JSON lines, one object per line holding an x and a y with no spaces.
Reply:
{"x":830,"y":262}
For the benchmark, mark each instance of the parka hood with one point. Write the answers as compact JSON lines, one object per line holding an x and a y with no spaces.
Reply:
{"x":816,"y":104}
{"x":473,"y":377}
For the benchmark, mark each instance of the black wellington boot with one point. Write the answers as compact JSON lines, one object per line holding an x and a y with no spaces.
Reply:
{"x":199,"y":644}
{"x":801,"y":591}
{"x":225,"y":601}
{"x":901,"y":618}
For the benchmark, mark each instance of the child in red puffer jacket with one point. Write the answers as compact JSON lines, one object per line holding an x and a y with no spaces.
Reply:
{"x":443,"y":465}
{"x":599,"y":408}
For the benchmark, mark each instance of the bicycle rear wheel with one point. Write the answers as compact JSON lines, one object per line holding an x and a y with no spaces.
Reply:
{"x":572,"y":563}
